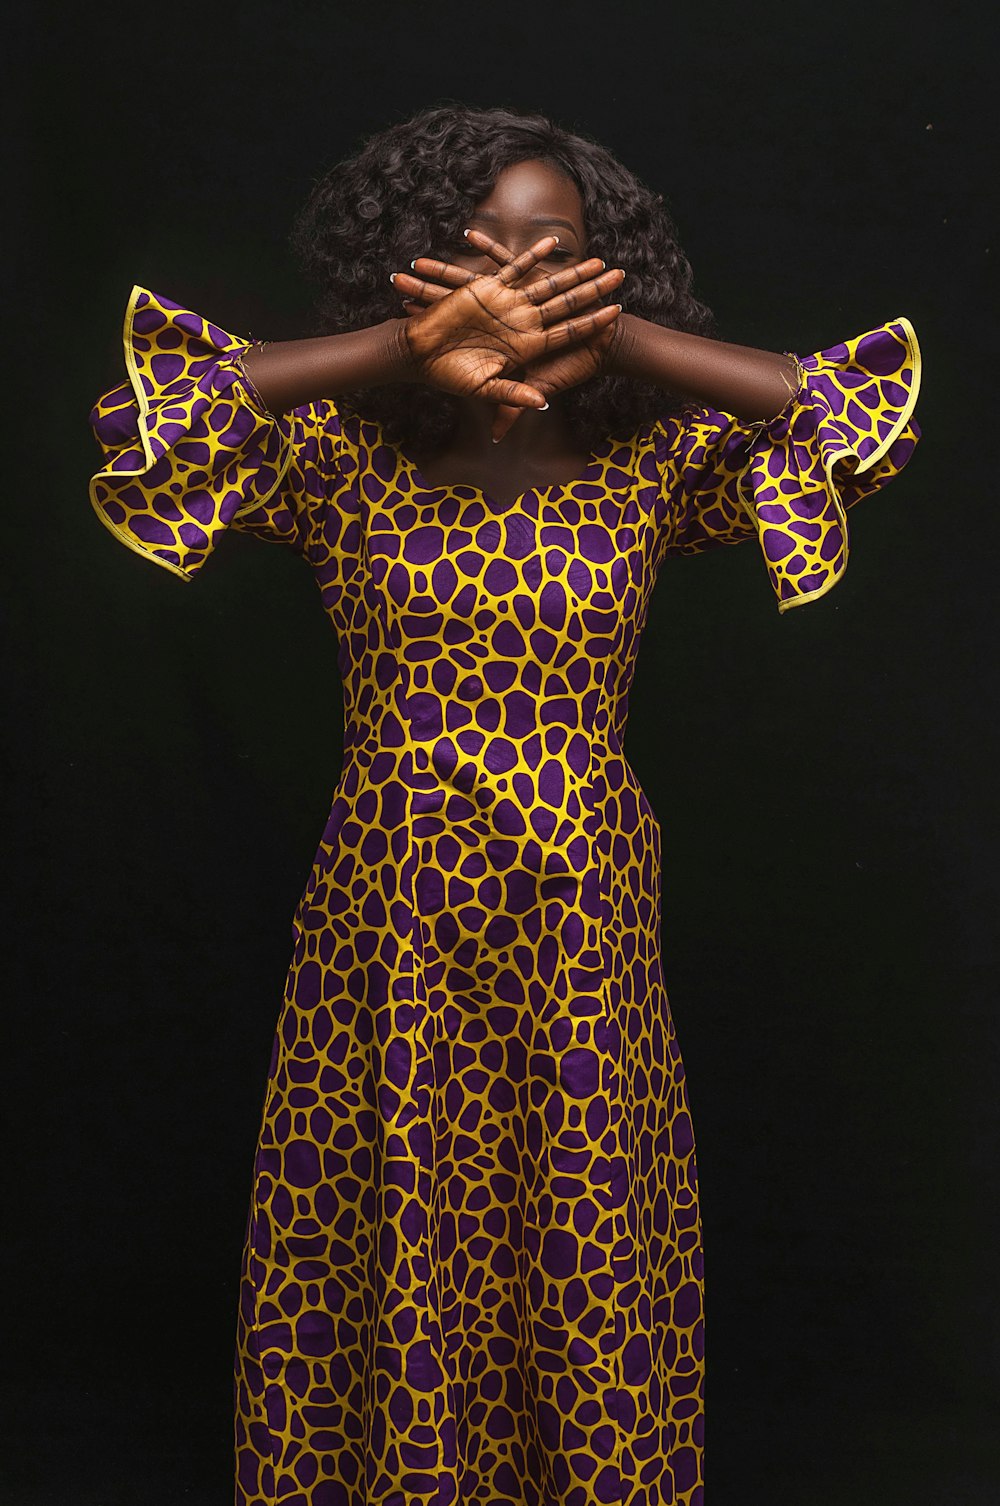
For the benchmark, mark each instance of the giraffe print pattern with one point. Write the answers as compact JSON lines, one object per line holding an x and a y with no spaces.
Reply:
{"x":473,"y":1266}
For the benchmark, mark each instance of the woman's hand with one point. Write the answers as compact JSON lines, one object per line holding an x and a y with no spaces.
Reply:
{"x":485,"y":326}
{"x":556,"y":368}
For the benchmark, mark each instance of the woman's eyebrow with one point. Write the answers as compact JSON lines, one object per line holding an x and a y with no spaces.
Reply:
{"x":538,"y":219}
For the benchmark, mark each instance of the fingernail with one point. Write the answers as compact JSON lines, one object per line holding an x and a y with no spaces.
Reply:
{"x":413,"y":263}
{"x":543,"y":407}
{"x":465,"y":233}
{"x":392,"y":277}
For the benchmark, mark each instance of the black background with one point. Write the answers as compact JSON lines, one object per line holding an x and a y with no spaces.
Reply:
{"x":824,"y":779}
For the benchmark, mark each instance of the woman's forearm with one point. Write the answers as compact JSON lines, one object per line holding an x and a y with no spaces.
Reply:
{"x":738,"y":379}
{"x":289,"y":373}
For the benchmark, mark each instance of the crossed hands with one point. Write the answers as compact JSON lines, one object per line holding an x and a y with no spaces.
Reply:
{"x":467,"y":333}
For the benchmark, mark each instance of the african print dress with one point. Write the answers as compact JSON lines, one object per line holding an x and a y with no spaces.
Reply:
{"x":473,"y":1261}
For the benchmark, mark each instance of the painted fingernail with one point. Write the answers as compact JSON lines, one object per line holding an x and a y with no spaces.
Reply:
{"x":413,"y":263}
{"x":465,"y":233}
{"x":392,"y":277}
{"x":543,"y":407}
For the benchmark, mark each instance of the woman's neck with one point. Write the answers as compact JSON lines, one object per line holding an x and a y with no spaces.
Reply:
{"x":539,"y":450}
{"x":535,"y":440}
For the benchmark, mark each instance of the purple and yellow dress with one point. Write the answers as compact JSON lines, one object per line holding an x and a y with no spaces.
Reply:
{"x":473,"y":1260}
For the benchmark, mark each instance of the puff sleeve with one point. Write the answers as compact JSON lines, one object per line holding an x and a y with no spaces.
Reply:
{"x":789,"y":480}
{"x":188,"y":449}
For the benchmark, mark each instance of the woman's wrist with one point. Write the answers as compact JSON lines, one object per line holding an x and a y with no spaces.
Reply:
{"x":647,"y":351}
{"x":621,"y":352}
{"x":286,"y":374}
{"x":739,"y":379}
{"x":399,"y":357}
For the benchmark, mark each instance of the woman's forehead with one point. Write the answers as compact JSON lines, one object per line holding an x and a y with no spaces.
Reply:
{"x":529,"y":188}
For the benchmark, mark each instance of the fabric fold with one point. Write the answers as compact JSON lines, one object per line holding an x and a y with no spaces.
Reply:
{"x":846,"y":431}
{"x":185,"y":447}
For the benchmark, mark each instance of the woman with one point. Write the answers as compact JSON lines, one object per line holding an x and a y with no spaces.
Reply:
{"x":473,"y":1264}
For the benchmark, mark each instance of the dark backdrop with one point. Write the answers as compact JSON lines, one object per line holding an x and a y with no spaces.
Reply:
{"x":824,"y":780}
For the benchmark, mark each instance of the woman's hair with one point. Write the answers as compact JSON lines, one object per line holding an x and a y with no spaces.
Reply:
{"x":410,"y":191}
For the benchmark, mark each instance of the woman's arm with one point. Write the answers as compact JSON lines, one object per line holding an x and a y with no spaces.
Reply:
{"x":750,"y":384}
{"x":288,"y":373}
{"x":462,"y":343}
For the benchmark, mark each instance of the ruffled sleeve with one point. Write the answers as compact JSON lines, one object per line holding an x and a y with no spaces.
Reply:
{"x":188,"y":449}
{"x":789,"y":481}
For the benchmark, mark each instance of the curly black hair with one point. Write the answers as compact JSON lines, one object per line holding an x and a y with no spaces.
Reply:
{"x":414,"y":185}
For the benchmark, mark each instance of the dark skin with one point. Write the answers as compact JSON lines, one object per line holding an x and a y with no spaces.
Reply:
{"x":537,"y":447}
{"x":508,"y":323}
{"x":527,"y":198}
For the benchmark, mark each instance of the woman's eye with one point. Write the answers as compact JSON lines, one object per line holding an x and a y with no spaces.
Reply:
{"x":560,"y":253}
{"x":464,"y":249}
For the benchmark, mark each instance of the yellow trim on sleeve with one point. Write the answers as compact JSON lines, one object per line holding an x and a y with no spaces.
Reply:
{"x":142,"y":403}
{"x":802,"y":601}
{"x":913,"y":350}
{"x":140,"y":397}
{"x":830,"y":459}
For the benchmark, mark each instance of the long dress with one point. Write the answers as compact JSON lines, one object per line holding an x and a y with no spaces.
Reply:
{"x":473,"y":1259}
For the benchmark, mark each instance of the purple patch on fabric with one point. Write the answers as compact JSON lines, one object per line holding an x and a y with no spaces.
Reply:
{"x":579,"y":1072}
{"x":302,"y":1167}
{"x":803,"y":427}
{"x":117,"y":426}
{"x":637,"y":1362}
{"x":776,"y":461}
{"x":166,"y":508}
{"x":422,"y":546}
{"x":833,"y":394}
{"x":314,"y":1334}
{"x":200,"y":505}
{"x":422,"y":1371}
{"x":880,"y":353}
{"x":831,"y":545}
{"x":146,"y":320}
{"x":193,"y":451}
{"x":596,"y":544}
{"x":151,"y":530}
{"x":684,"y":1468}
{"x":559,"y":1253}
{"x":687,"y":1305}
{"x":776,"y":545}
{"x":166,"y":368}
{"x":857,"y":416}
{"x":243,"y":424}
{"x":187,"y":321}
